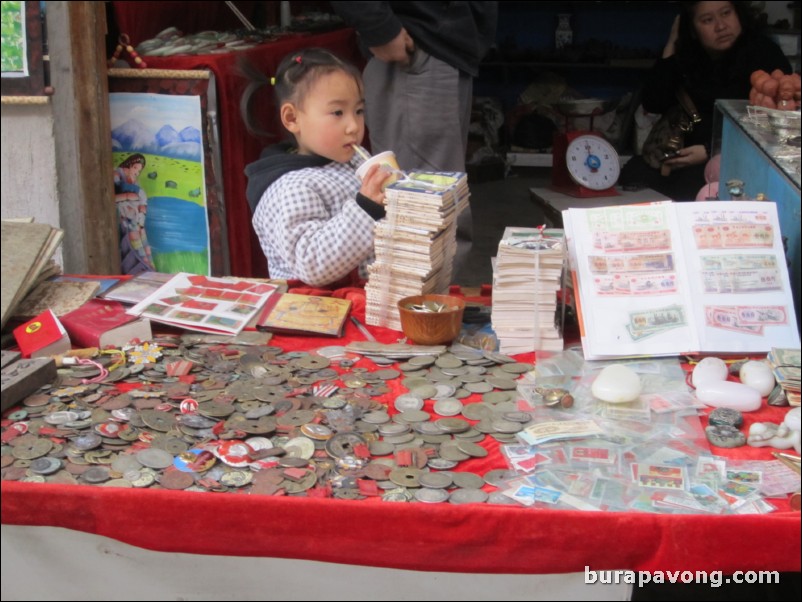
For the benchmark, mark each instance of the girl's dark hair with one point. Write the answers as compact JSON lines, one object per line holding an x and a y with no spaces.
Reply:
{"x":132,"y":160}
{"x":295,"y":75}
{"x":692,"y":57}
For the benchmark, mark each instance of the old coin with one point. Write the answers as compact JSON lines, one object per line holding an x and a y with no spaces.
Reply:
{"x":406,"y":477}
{"x":436,"y":480}
{"x":176,"y":479}
{"x":431,"y":496}
{"x":468,"y":496}
{"x":467,"y":480}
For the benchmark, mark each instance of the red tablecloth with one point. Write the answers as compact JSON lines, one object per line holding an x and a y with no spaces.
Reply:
{"x":238,"y":147}
{"x":438,"y":537}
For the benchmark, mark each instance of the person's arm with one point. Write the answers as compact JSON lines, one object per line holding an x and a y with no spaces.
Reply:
{"x":660,"y":85}
{"x":375,"y":22}
{"x":319,"y":247}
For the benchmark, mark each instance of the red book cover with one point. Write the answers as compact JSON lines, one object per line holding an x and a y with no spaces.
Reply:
{"x":103,"y":323}
{"x":42,"y":336}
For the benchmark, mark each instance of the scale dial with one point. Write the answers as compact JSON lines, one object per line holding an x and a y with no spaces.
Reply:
{"x":592,"y":162}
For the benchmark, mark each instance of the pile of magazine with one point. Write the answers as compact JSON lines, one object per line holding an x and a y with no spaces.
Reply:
{"x":415,"y":243}
{"x":527,"y":276}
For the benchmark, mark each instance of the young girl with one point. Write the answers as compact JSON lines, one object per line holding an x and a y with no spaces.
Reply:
{"x":313,"y":215}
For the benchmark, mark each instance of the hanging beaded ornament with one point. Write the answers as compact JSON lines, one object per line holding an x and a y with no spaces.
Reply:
{"x":124,"y":43}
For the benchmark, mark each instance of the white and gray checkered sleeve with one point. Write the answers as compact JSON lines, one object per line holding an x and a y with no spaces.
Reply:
{"x":310,"y":226}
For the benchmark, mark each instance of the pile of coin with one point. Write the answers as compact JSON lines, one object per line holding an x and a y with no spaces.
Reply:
{"x":254,"y":419}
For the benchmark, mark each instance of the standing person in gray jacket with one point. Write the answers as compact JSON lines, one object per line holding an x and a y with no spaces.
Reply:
{"x":419,"y":80}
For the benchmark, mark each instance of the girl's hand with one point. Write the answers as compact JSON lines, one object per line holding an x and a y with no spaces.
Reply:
{"x":373,"y":184}
{"x":690,"y":155}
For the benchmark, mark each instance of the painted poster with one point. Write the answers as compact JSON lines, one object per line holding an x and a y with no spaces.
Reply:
{"x":159,"y":182}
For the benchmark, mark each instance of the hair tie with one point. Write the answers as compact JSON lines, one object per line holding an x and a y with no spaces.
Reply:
{"x":298,"y":59}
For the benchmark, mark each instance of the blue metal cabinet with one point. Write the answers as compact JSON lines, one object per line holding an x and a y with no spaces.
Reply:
{"x":766,"y":164}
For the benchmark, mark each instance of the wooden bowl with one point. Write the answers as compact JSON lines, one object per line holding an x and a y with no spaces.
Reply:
{"x":431,"y":327}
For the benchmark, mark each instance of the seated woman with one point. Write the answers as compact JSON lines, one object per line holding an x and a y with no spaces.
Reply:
{"x":712,"y":51}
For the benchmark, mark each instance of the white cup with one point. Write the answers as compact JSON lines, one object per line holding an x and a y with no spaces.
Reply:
{"x":387,"y":162}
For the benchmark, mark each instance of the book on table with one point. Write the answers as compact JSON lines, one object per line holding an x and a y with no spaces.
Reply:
{"x":289,"y":313}
{"x":205,"y":304}
{"x":104,"y":323}
{"x":675,"y":278}
{"x":42,"y":336}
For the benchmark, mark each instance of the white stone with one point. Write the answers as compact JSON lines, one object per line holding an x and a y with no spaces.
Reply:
{"x":710,"y":368}
{"x":616,"y":384}
{"x":728,"y":394}
{"x":793,"y":419}
{"x":768,"y":434}
{"x":758,"y":375}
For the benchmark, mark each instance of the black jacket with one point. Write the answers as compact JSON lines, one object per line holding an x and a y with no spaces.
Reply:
{"x":707,"y":80}
{"x":458,"y":33}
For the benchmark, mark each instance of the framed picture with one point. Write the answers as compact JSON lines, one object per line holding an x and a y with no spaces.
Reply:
{"x":167,"y":191}
{"x":23,"y":68}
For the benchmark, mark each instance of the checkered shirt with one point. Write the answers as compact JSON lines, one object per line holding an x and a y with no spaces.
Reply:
{"x":310,"y":226}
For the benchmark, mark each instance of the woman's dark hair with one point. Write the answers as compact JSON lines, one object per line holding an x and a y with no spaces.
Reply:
{"x":295,"y":75}
{"x":692,"y":57}
{"x":132,"y":160}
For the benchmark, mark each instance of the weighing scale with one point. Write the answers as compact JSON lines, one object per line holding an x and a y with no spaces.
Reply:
{"x":584,"y":164}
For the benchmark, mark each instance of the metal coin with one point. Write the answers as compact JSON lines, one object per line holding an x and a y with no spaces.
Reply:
{"x":387,"y":374}
{"x":96,"y":474}
{"x":176,"y":479}
{"x":431,"y":496}
{"x":296,"y":418}
{"x":29,"y":447}
{"x":507,"y":426}
{"x":497,"y":357}
{"x":380,"y":417}
{"x":468,"y":496}
{"x":46,"y":466}
{"x":467,"y":480}
{"x":497,"y":397}
{"x":448,"y":406}
{"x":498,"y":477}
{"x":158,"y":421}
{"x":300,"y":447}
{"x":399,"y":439}
{"x":236,"y":478}
{"x":426,"y":391}
{"x":141,"y":478}
{"x":393,"y":428}
{"x":413,"y":416}
{"x":422,"y":360}
{"x":450,"y":451}
{"x":122,"y":483}
{"x":452,"y":425}
{"x":517,"y":367}
{"x":408,"y":402}
{"x":342,"y":444}
{"x":505,"y":384}
{"x":400,"y":494}
{"x":441,"y":463}
{"x":436,"y":480}
{"x":154,"y":458}
{"x":444,"y":390}
{"x":448,"y":360}
{"x":87,"y":441}
{"x":308,"y":481}
{"x":480,"y":387}
{"x":522,"y":417}
{"x":470,"y":448}
{"x":406,"y":477}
